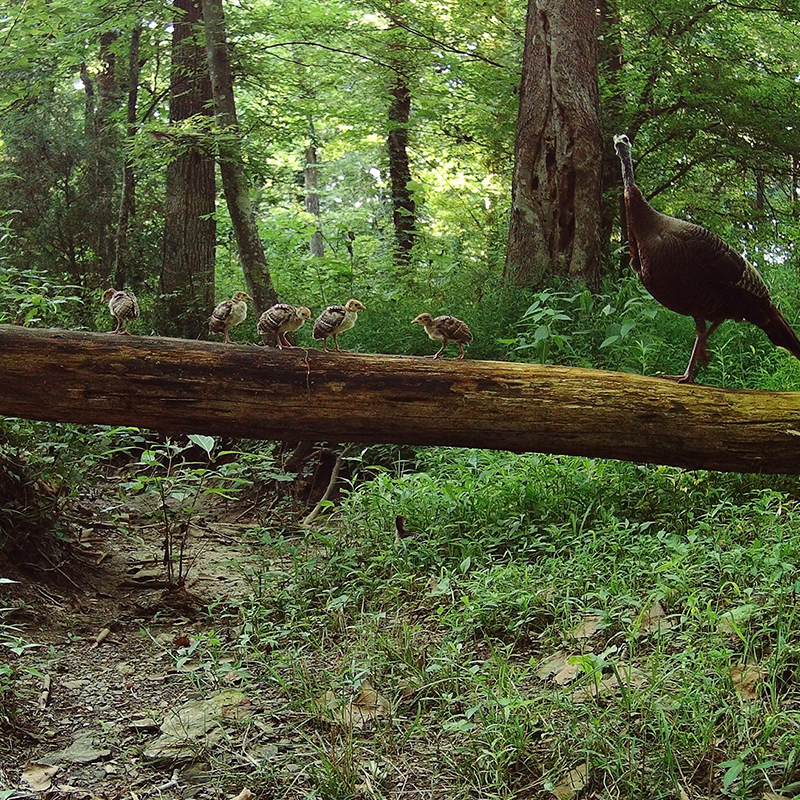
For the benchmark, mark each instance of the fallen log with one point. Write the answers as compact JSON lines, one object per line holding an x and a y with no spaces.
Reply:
{"x":182,"y":386}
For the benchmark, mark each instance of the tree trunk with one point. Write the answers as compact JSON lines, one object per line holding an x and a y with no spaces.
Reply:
{"x":180,"y":386}
{"x":127,"y":203}
{"x":231,"y":163}
{"x":190,"y":230}
{"x":555,"y":196}
{"x":614,"y":119}
{"x":403,"y":206}
{"x":103,"y":148}
{"x":311,"y":179}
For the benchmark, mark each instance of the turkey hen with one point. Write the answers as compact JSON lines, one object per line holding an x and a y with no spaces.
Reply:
{"x":281,"y":319}
{"x":123,"y":307}
{"x":445,"y":329}
{"x":229,"y":313}
{"x":335,"y":319}
{"x":690,"y":270}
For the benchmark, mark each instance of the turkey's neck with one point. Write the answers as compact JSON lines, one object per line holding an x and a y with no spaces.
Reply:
{"x":627,"y":170}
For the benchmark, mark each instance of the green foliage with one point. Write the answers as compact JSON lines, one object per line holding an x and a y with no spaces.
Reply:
{"x":510,"y":554}
{"x":623,"y":328}
{"x":176,"y":488}
{"x":31,"y":298}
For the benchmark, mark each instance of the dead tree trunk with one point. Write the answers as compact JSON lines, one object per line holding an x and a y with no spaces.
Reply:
{"x":182,"y":386}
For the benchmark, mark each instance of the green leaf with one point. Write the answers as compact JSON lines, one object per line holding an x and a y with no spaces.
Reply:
{"x":206,"y":442}
{"x":732,"y":773}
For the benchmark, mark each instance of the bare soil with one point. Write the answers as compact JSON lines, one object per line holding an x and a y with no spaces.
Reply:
{"x":114,"y":647}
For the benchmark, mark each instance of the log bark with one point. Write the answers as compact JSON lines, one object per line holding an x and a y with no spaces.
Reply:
{"x":182,"y":386}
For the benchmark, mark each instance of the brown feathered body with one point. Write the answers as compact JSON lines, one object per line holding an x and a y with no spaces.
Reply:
{"x":400,"y":530}
{"x":335,"y":319}
{"x":445,"y":329}
{"x":281,"y":319}
{"x":123,"y":307}
{"x":692,"y":271}
{"x":229,"y":313}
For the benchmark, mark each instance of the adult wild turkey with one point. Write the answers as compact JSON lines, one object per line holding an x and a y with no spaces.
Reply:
{"x":123,"y":307}
{"x":690,"y":270}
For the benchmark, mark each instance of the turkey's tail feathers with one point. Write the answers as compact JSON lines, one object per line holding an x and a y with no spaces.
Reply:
{"x":780,"y":332}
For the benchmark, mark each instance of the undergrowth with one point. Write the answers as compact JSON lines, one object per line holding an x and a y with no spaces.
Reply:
{"x":521,"y":559}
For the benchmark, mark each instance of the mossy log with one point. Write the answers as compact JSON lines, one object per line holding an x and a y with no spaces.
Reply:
{"x":182,"y":386}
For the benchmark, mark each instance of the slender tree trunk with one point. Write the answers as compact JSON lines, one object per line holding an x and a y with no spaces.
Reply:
{"x":403,"y":206}
{"x":187,"y":270}
{"x":127,"y":204}
{"x":555,"y":213}
{"x":102,"y":148}
{"x":231,"y":163}
{"x":311,"y":179}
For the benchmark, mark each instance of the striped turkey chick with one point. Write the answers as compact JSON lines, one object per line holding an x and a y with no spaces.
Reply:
{"x":281,"y":319}
{"x":123,"y":307}
{"x":229,"y":313}
{"x":690,"y":270}
{"x":445,"y":329}
{"x":335,"y":319}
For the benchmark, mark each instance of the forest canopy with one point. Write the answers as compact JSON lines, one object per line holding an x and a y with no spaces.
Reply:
{"x":377,"y":142}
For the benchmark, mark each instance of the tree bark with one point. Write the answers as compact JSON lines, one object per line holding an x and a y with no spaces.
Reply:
{"x":102,"y":99}
{"x":127,"y":203}
{"x":231,"y":163}
{"x":404,"y":212}
{"x":555,"y":196}
{"x":190,"y":229}
{"x":311,"y":180}
{"x":180,"y":386}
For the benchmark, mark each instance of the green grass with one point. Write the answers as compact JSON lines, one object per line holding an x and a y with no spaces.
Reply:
{"x":512,"y":554}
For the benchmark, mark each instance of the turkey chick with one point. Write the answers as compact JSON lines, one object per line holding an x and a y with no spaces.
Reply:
{"x":123,"y":307}
{"x":281,"y":319}
{"x":445,"y":329}
{"x":229,"y":313}
{"x":335,"y":319}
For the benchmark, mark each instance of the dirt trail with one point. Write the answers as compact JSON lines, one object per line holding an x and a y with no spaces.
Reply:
{"x":129,"y":712}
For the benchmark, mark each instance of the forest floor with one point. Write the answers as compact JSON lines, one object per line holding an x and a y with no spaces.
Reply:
{"x":107,"y":701}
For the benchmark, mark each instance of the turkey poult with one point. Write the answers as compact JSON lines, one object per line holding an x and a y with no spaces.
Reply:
{"x":229,"y":313}
{"x":123,"y":307}
{"x":445,"y":329}
{"x":281,"y":319}
{"x":690,"y":270}
{"x":400,"y":530}
{"x":335,"y":319}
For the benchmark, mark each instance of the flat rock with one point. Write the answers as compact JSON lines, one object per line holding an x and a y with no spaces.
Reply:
{"x":197,"y":725}
{"x":81,"y":751}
